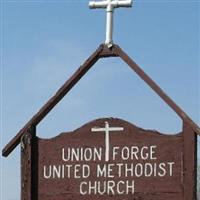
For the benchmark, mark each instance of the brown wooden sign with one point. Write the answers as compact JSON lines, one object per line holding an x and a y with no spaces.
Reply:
{"x":112,"y":159}
{"x":107,"y":158}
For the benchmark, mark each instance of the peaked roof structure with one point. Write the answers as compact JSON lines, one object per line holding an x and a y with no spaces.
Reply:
{"x":102,"y":52}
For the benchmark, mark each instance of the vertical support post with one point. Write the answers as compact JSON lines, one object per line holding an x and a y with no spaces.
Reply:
{"x":190,"y":162}
{"x":109,"y":26}
{"x":29,"y":163}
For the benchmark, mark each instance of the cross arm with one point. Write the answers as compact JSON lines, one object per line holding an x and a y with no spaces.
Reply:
{"x":122,"y":3}
{"x":115,"y":4}
{"x":116,"y":128}
{"x":98,"y":129}
{"x":101,"y":4}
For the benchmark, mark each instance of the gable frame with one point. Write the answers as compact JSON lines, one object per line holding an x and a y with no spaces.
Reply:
{"x":101,"y":52}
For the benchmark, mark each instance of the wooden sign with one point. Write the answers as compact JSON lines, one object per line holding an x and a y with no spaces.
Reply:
{"x":107,"y":158}
{"x":112,"y":159}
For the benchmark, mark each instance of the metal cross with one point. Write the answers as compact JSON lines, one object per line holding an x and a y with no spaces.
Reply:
{"x":107,"y":130}
{"x":110,"y":5}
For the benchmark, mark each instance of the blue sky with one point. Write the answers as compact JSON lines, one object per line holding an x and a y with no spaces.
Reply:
{"x":44,"y":42}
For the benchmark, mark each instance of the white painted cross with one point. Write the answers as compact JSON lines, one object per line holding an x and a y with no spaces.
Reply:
{"x":107,"y":130}
{"x":110,"y":5}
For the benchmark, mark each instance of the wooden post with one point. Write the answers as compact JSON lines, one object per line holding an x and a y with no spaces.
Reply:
{"x":29,"y":172}
{"x":190,"y":162}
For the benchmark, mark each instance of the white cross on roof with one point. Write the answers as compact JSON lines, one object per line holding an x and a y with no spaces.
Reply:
{"x":110,"y":5}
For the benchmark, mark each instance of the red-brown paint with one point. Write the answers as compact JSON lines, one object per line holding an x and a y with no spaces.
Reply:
{"x":170,"y":148}
{"x":185,"y":143}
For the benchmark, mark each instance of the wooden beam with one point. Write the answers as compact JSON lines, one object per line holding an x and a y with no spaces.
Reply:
{"x":55,"y":99}
{"x":102,"y":52}
{"x":29,"y":164}
{"x":190,"y":162}
{"x":157,"y":89}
